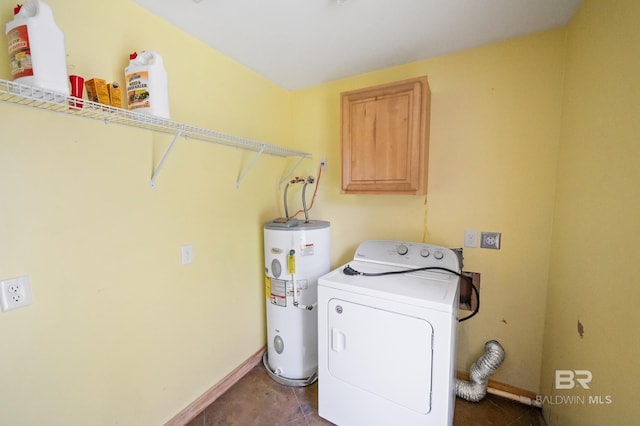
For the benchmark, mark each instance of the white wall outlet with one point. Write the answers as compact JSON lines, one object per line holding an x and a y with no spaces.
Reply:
{"x":490,"y":240}
{"x":15,"y":293}
{"x":187,"y":254}
{"x":470,"y":239}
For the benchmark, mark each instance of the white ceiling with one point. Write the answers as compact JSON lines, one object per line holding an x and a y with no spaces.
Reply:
{"x":300,"y":43}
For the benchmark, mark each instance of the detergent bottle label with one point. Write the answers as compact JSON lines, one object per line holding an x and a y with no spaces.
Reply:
{"x":19,"y":52}
{"x":138,"y":90}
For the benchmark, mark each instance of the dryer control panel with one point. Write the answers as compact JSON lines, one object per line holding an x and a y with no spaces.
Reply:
{"x":407,"y":254}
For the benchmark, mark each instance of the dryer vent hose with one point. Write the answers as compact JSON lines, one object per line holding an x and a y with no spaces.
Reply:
{"x":476,"y":388}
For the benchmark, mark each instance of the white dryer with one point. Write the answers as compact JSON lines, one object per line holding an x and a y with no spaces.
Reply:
{"x":386,"y":340}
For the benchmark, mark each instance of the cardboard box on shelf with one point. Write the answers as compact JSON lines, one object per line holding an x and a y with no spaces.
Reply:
{"x":97,"y":90}
{"x":115,"y":95}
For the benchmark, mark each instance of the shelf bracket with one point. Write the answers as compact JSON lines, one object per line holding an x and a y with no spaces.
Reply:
{"x":250,"y":166}
{"x":284,"y":179}
{"x":164,"y":157}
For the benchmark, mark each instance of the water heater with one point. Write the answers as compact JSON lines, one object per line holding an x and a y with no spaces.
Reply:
{"x":296,"y":254}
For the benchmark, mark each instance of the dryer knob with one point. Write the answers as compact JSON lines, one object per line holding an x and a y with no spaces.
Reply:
{"x":425,"y":252}
{"x":402,"y":250}
{"x":438,"y":255}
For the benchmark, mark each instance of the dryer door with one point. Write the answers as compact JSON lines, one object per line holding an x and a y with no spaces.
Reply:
{"x":386,"y":353}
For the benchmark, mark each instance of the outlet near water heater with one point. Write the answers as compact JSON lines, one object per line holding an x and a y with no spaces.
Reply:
{"x":488,"y":240}
{"x":15,"y":293}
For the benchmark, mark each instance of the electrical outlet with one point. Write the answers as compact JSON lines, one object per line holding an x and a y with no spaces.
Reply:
{"x":15,"y":293}
{"x":187,"y":254}
{"x":470,"y":239}
{"x":490,"y":240}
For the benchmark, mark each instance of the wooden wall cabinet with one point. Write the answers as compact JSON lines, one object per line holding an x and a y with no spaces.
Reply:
{"x":385,"y":138}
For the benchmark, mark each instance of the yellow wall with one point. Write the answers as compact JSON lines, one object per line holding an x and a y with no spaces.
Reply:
{"x":495,"y":120}
{"x":596,"y":227}
{"x":119,"y":331}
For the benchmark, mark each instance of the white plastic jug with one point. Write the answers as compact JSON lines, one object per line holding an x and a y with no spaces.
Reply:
{"x":37,"y":55}
{"x":147,"y":84}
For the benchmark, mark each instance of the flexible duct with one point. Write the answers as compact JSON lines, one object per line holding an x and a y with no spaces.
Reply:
{"x":476,"y":388}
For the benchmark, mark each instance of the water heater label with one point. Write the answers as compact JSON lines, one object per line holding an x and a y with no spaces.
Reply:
{"x":307,"y":249}
{"x":19,"y":52}
{"x":278,"y":292}
{"x":291,"y":262}
{"x":267,"y":286}
{"x":300,"y":285}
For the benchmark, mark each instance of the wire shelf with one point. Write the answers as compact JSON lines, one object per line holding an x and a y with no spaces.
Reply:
{"x":39,"y":98}
{"x":48,"y":100}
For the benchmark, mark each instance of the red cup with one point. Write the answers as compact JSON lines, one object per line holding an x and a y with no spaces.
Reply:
{"x":77,"y":86}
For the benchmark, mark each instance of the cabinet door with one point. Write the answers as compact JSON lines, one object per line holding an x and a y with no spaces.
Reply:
{"x":385,"y":138}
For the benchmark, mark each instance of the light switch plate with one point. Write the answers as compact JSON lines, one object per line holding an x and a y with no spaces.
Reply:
{"x":187,"y":254}
{"x":470,"y":239}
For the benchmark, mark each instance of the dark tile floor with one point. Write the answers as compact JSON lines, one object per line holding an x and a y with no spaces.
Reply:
{"x":258,"y":400}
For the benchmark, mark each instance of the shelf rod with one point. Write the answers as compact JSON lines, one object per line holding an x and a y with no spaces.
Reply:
{"x":250,"y":166}
{"x":164,"y":157}
{"x":290,"y":172}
